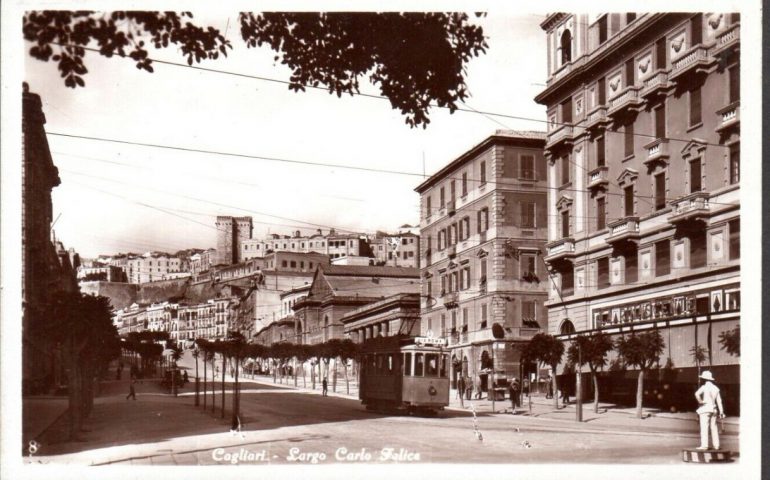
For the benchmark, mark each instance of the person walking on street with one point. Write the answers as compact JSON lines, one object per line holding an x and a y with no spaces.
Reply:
{"x":516,"y":393}
{"x":710,"y":402}
{"x":461,"y":389}
{"x":131,"y":390}
{"x":512,"y":393}
{"x":324,"y":387}
{"x":185,"y":378}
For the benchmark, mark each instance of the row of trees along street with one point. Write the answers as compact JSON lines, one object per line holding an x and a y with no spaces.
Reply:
{"x":641,"y":351}
{"x":255,"y":357}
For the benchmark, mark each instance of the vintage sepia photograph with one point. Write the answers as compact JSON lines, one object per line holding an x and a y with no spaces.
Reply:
{"x":345,"y":236}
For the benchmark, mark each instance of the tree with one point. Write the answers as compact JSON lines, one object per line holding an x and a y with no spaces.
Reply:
{"x":416,"y":59}
{"x":730,"y":341}
{"x":348,"y":351}
{"x":546,"y":350}
{"x":203,"y":344}
{"x":303,"y":353}
{"x":196,"y":353}
{"x":176,"y":354}
{"x":698,"y":354}
{"x":592,"y":351}
{"x":235,"y":347}
{"x":641,"y":351}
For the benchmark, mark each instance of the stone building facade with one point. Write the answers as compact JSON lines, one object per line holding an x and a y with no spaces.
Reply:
{"x":644,"y":181}
{"x":483,"y":231}
{"x":231,"y":233}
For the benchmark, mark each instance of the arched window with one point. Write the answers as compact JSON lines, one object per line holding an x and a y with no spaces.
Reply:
{"x":566,"y":47}
{"x":567,"y":327}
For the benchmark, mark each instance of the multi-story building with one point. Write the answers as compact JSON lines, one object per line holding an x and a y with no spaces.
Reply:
{"x":153,"y":267}
{"x":484,"y":227}
{"x":395,"y":315}
{"x":160,"y":316}
{"x":397,"y":250}
{"x":332,"y":244}
{"x":231,"y":233}
{"x":644,"y":170}
{"x":201,"y":262}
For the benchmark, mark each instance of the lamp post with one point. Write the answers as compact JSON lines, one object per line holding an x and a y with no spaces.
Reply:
{"x":578,"y":387}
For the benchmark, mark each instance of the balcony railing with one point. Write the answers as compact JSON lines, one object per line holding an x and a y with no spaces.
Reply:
{"x":727,"y":39}
{"x":561,"y":135}
{"x":450,"y":208}
{"x":655,"y":84}
{"x":596,"y":118}
{"x":693,"y":60}
{"x":598,"y":178}
{"x":450,"y":299}
{"x":730,"y":116}
{"x":560,"y":249}
{"x":690,"y":207}
{"x":451,"y":251}
{"x":625,"y":101}
{"x":624,"y":229}
{"x":657,"y":152}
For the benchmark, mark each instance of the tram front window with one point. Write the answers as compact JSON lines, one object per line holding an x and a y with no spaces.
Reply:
{"x":431,"y":361}
{"x":407,"y":364}
{"x":419,"y":364}
{"x":442,"y":367}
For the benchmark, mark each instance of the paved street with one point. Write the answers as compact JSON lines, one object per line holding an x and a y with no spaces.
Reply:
{"x":284,"y":425}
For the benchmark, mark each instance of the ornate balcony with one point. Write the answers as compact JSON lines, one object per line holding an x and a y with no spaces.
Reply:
{"x":562,"y":249}
{"x":451,"y":251}
{"x":693,"y":61}
{"x":731,"y":117}
{"x":450,"y":208}
{"x":727,"y":40}
{"x":598,"y":178}
{"x":655,"y":84}
{"x":451,"y":299}
{"x":690,"y":207}
{"x":596,"y":118}
{"x":657,"y":152}
{"x":560,"y":136}
{"x":623,"y":230}
{"x":628,"y":100}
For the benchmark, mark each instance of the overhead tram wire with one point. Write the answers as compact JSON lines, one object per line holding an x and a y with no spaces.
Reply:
{"x":369,"y":95}
{"x":322,"y":164}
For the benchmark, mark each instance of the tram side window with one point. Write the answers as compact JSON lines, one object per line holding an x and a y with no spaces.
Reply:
{"x":407,"y":364}
{"x":372,"y":365}
{"x":431,"y":368}
{"x":442,"y":367}
{"x":390,"y":365}
{"x":418,"y":364}
{"x":381,"y":366}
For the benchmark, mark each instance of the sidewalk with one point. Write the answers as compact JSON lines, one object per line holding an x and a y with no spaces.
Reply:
{"x":38,"y":414}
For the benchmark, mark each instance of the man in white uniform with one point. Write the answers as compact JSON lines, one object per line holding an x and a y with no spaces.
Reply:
{"x":710,"y":407}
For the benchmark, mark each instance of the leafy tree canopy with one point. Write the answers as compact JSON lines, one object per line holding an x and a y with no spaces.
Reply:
{"x":416,"y":59}
{"x":641,"y":350}
{"x":731,"y":341}
{"x":591,"y":350}
{"x":545,"y":349}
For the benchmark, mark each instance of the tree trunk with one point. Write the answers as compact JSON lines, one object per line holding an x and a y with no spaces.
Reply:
{"x":312,"y":376}
{"x":213,"y":385}
{"x":205,"y":374}
{"x":595,"y":379}
{"x":224,"y":369}
{"x":347,"y":381}
{"x":197,"y":387}
{"x":555,"y":388}
{"x":235,"y":396}
{"x":639,"y":392}
{"x":173,"y":379}
{"x":304,"y":379}
{"x":334,"y":377}
{"x":75,"y":414}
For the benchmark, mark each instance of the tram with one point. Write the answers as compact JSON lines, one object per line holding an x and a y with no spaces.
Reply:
{"x":404,"y":373}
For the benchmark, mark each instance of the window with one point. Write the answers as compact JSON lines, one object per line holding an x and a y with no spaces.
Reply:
{"x":443,"y":324}
{"x":628,"y":139}
{"x":465,"y":320}
{"x":465,"y":184}
{"x":527,"y":214}
{"x":527,"y":267}
{"x":483,"y":270}
{"x":565,"y":224}
{"x":466,"y":228}
{"x":602,"y":91}
{"x":660,"y":53}
{"x":467,"y":283}
{"x":660,"y":122}
{"x":284,"y":264}
{"x":601,"y":213}
{"x":483,"y":220}
{"x":603,"y":272}
{"x":293,"y":264}
{"x":565,"y":170}
{"x":695,"y":176}
{"x":527,"y":167}
{"x":695,"y":107}
{"x":630,"y":17}
{"x":628,"y":197}
{"x":453,"y":234}
{"x":600,"y":152}
{"x":441,"y":198}
{"x":419,"y":364}
{"x":428,"y":209}
{"x":408,"y":363}
{"x":566,"y":111}
{"x":443,"y":285}
{"x":431,"y":364}
{"x":734,"y":80}
{"x":483,"y":172}
{"x":452,"y":191}
{"x":566,"y":47}
{"x":310,"y":265}
{"x":662,"y":258}
{"x":528,"y":313}
{"x":602,"y":29}
{"x":735,"y":239}
{"x":629,"y":66}
{"x":567,"y":282}
{"x":698,"y":249}
{"x":735,"y":163}
{"x":484,"y":315}
{"x":696,"y":29}
{"x":660,"y":191}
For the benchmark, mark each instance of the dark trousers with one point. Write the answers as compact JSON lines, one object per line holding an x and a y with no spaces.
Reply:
{"x":131,"y":394}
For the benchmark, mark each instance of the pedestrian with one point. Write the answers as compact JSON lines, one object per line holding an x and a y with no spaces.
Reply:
{"x":468,"y":388}
{"x":131,"y":390}
{"x":478,"y":387}
{"x":710,"y":402}
{"x":324,"y":387}
{"x":185,"y":378}
{"x":461,"y":389}
{"x":512,"y":394}
{"x":525,"y":387}
{"x":516,"y":393}
{"x":549,"y":388}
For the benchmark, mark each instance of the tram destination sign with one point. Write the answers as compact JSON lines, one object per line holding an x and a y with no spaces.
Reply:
{"x":430,"y":341}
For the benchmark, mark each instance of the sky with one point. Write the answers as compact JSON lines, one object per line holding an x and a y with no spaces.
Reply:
{"x":118,"y":198}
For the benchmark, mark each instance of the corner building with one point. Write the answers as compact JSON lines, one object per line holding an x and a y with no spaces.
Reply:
{"x":643,"y":157}
{"x":482,"y":238}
